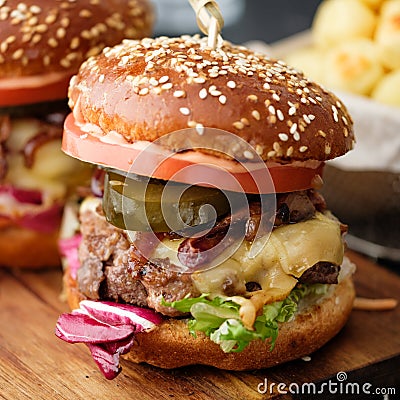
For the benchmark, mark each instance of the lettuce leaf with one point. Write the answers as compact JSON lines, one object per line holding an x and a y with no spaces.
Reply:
{"x":219,"y":318}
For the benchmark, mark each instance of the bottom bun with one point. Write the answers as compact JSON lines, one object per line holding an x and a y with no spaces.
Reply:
{"x":25,"y":248}
{"x":171,"y":345}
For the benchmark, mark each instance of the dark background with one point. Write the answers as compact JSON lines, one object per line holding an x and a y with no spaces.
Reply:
{"x":271,"y":20}
{"x":267,"y":20}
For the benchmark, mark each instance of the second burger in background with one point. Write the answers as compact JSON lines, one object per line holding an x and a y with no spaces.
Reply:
{"x":42,"y":45}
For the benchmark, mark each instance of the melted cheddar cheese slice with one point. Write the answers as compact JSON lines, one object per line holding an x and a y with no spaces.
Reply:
{"x":288,"y":252}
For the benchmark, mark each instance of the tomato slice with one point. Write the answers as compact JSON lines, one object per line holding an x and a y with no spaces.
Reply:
{"x":29,"y":90}
{"x":190,"y":167}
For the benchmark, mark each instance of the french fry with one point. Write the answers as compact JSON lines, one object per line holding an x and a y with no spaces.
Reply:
{"x":362,"y":303}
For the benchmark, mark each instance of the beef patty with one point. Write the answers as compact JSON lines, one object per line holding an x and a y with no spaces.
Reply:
{"x":112,"y":268}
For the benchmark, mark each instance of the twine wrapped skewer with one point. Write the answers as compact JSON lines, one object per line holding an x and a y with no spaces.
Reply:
{"x":209,"y":19}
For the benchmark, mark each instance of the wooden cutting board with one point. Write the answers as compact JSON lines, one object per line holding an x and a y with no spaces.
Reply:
{"x":34,"y":364}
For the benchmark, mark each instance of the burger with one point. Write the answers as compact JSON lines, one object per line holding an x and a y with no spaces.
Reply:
{"x":42,"y":44}
{"x":260,"y":280}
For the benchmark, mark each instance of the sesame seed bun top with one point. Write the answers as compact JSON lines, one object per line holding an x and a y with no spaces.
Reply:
{"x":37,"y":37}
{"x":146,"y":89}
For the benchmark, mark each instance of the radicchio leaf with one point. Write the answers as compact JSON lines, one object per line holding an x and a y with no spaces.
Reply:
{"x":108,"y":363}
{"x":69,"y":249}
{"x":107,"y":328}
{"x":81,"y":328}
{"x":23,"y":195}
{"x":106,"y":311}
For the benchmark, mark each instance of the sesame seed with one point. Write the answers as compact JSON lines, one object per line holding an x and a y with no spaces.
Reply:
{"x":238,"y":125}
{"x":231,"y":84}
{"x":164,"y":79}
{"x":35,"y":9}
{"x":280,"y":115}
{"x":184,"y":111}
{"x":17,"y":54}
{"x":64,"y":62}
{"x":277,"y":147}
{"x":306,"y":119}
{"x":11,"y":39}
{"x":199,"y":79}
{"x":252,"y":97}
{"x":84,"y":13}
{"x":32,"y":21}
{"x":271,"y":109}
{"x":327,"y":148}
{"x":321,"y":133}
{"x":200,"y":129}
{"x":296,"y":136}
{"x":101,"y":78}
{"x":65,"y":22}
{"x":266,"y":86}
{"x":283,"y":136}
{"x":276,"y":97}
{"x":52,"y":42}
{"x":144,"y":91}
{"x":248,"y":154}
{"x":179,"y":93}
{"x":222,"y":99}
{"x":50,"y":19}
{"x":3,"y":47}
{"x":61,"y":32}
{"x":203,"y":93}
{"x":293,"y":128}
{"x":245,"y":121}
{"x":271,"y":154}
{"x":259,"y":150}
{"x":166,"y":86}
{"x":153,"y":81}
{"x":303,"y":149}
{"x":215,"y":93}
{"x":256,"y":115}
{"x":46,"y":60}
{"x":74,"y":43}
{"x":289,"y":151}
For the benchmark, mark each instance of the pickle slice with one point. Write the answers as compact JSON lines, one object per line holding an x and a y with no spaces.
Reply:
{"x":137,"y":203}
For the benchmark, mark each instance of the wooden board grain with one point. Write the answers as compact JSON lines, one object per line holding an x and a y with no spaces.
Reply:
{"x":34,"y":364}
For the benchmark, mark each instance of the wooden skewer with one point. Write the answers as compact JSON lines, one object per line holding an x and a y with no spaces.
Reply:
{"x":213,"y":33}
{"x":209,"y":19}
{"x":362,"y":303}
